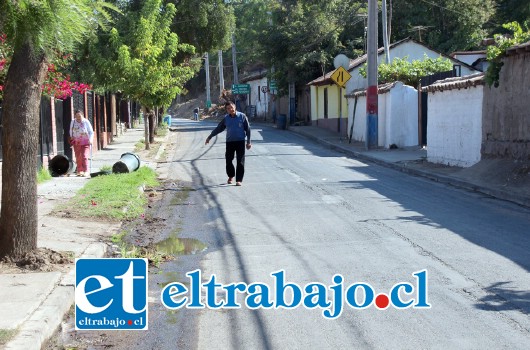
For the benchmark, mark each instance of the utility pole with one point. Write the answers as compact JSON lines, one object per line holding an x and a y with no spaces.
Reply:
{"x":385,"y":33}
{"x":371,"y":91}
{"x":221,"y":74}
{"x":236,"y":77}
{"x":207,"y":71}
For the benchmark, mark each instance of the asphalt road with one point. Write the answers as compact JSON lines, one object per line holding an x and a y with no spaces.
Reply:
{"x":315,"y":213}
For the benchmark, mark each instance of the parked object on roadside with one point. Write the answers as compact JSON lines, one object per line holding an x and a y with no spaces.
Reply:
{"x":128,"y":163}
{"x":81,"y":135}
{"x":61,"y":165}
{"x":167,"y":120}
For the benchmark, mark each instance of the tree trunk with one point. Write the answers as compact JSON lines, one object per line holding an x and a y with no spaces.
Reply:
{"x":151,"y":127}
{"x":20,"y":139}
{"x":146,"y":127}
{"x":113,"y":115}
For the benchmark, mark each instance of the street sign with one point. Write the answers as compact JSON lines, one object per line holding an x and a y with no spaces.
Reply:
{"x":340,"y":76}
{"x":272,"y":86}
{"x":240,"y":89}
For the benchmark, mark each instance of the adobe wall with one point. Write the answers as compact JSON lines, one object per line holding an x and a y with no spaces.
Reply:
{"x":506,"y":111}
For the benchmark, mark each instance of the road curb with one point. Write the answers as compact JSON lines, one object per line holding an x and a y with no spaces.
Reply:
{"x":43,"y":323}
{"x":449,"y":180}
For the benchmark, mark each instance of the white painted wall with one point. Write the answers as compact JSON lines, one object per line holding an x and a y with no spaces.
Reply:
{"x":258,"y":98}
{"x":397,"y":119}
{"x":402,"y":116}
{"x":469,"y":58}
{"x":454,"y":126}
{"x":358,"y":119}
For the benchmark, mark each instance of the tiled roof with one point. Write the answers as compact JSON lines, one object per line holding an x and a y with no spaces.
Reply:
{"x":518,"y":49}
{"x":254,"y":76}
{"x":456,"y":83}
{"x":381,"y":89}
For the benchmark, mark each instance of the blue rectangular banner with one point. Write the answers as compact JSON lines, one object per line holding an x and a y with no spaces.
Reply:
{"x":111,"y":294}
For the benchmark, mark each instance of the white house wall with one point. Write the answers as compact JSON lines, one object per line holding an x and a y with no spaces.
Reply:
{"x":469,"y":58}
{"x":454,"y":126}
{"x":258,"y":97}
{"x":402,"y":116}
{"x":359,"y":126}
{"x":359,"y":123}
{"x":397,"y":119}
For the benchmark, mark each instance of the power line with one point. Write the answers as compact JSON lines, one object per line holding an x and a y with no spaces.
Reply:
{"x":445,"y":8}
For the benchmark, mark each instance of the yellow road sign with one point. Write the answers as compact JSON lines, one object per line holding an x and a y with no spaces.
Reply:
{"x":340,"y":76}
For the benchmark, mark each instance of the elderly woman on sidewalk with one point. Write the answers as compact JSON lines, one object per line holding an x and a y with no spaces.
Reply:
{"x":81,"y":135}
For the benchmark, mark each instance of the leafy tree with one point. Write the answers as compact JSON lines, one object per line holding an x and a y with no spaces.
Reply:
{"x":409,"y":72}
{"x":298,"y":38}
{"x":446,"y":25}
{"x":35,"y":30}
{"x":138,"y":57}
{"x":495,"y":53}
{"x":6,"y":52}
{"x":510,"y":11}
{"x":205,"y":24}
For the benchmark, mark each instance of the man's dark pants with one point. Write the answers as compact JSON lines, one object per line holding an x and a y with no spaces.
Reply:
{"x":237,"y":147}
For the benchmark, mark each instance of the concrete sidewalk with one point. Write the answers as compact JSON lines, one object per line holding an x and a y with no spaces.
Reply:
{"x":500,"y":178}
{"x":33,"y":305}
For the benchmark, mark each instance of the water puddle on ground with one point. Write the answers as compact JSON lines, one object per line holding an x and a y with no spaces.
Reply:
{"x":180,"y":246}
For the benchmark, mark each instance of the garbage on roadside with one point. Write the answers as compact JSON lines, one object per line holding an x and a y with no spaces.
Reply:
{"x":61,"y":165}
{"x":128,"y":163}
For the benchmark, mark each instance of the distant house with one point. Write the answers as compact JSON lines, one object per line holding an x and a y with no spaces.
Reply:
{"x":476,"y":59}
{"x":257,"y":103}
{"x":330,"y":109}
{"x":261,"y":102}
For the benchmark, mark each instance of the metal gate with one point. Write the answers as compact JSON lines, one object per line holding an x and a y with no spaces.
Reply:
{"x":59,"y":126}
{"x":426,"y":81}
{"x":90,"y":107}
{"x":67,"y":119}
{"x":79,"y":101}
{"x":46,"y":130}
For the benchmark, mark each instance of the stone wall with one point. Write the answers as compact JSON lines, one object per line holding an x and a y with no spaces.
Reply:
{"x":506,"y":118}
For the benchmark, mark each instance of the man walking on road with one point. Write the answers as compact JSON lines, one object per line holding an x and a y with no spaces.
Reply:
{"x":237,"y":127}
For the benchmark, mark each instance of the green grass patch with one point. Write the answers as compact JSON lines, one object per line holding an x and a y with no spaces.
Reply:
{"x":6,"y":335}
{"x":115,"y":196}
{"x":162,"y":130}
{"x":106,"y":168}
{"x":139,"y":146}
{"x":43,"y":175}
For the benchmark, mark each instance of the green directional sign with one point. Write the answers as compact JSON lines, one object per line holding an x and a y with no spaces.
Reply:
{"x":240,"y":89}
{"x":272,"y":85}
